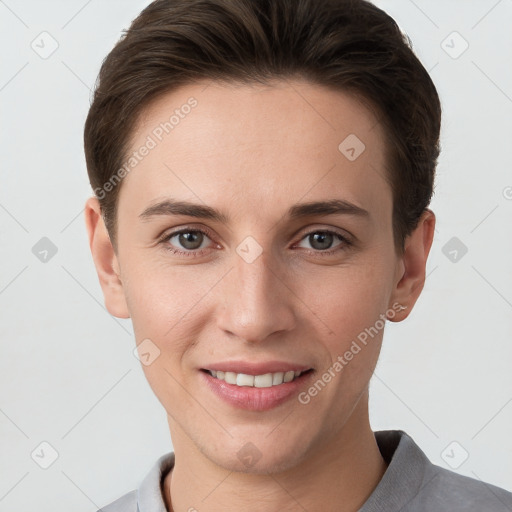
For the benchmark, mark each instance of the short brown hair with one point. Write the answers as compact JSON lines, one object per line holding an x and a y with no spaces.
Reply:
{"x":348,"y":45}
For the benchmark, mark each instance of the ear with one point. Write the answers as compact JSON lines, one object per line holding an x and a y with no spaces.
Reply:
{"x":105,"y":260}
{"x":410,"y":276}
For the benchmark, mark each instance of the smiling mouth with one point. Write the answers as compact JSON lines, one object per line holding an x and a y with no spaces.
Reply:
{"x":266,"y":380}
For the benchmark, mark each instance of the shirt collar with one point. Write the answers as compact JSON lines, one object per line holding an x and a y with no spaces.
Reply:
{"x":400,"y":483}
{"x":150,"y":493}
{"x":404,"y":475}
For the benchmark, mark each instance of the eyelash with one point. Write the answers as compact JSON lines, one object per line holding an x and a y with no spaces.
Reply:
{"x":346,"y":243}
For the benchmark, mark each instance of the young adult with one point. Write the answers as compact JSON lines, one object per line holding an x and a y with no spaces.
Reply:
{"x":262,"y":173}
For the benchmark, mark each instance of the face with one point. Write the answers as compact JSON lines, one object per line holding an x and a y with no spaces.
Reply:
{"x":252,"y":281}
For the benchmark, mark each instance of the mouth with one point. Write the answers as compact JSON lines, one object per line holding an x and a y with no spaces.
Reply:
{"x":265,"y":380}
{"x":255,"y":386}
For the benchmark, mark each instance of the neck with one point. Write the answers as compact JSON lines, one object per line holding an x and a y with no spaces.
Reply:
{"x":344,"y":470}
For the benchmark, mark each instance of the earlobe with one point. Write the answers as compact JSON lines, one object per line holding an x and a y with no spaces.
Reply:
{"x":105,"y":260}
{"x":410,"y":277}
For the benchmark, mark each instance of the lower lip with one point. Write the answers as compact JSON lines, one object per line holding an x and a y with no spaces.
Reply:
{"x":255,"y":399}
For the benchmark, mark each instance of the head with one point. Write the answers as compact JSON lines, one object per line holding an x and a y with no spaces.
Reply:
{"x":257,"y":111}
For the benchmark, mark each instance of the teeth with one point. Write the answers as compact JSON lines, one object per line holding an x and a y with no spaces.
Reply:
{"x":263,"y":381}
{"x":258,"y":381}
{"x":230,"y":377}
{"x":244,"y":380}
{"x":277,"y":378}
{"x":289,"y":376}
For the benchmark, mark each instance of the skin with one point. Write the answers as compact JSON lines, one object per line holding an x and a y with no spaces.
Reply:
{"x":252,"y":152}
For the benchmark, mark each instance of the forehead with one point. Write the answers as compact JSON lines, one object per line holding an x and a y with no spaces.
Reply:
{"x":253,"y":145}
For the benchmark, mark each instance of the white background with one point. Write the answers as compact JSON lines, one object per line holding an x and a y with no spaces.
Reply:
{"x":68,"y":374}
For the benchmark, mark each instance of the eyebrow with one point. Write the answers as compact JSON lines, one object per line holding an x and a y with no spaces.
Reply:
{"x":170,"y":207}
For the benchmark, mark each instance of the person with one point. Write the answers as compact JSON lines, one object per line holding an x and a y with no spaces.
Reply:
{"x":262,"y":171}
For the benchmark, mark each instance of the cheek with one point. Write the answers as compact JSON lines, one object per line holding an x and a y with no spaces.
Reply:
{"x":352,"y":304}
{"x":169,"y":306}
{"x":163,"y":301}
{"x":349,"y":299}
{"x":164,"y":306}
{"x":354,"y":311}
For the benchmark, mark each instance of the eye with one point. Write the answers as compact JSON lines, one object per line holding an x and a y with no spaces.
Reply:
{"x":322,"y":240}
{"x":194,"y":242}
{"x":191,"y":240}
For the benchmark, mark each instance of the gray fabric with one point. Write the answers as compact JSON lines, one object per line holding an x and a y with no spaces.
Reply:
{"x":411,"y":483}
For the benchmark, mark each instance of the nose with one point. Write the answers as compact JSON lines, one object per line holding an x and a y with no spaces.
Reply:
{"x":258,"y":300}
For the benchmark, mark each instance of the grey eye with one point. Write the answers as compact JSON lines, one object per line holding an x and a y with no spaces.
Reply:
{"x":190,"y":240}
{"x":321,"y":240}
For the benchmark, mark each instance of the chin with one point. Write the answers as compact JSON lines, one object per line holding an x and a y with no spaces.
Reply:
{"x":264,"y":466}
{"x":258,"y":457}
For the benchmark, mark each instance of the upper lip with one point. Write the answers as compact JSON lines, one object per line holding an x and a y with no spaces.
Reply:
{"x":252,"y":368}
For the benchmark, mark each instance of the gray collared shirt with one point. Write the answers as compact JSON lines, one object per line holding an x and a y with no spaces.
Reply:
{"x":411,"y":483}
